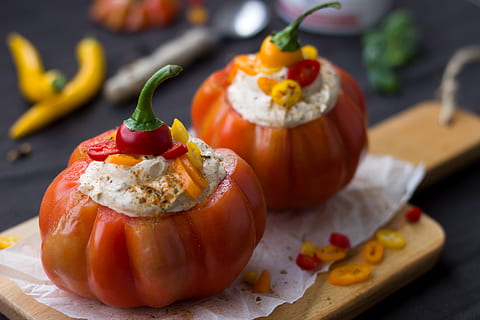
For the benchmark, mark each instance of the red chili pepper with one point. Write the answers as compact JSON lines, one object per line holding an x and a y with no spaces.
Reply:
{"x":175,"y":151}
{"x":102,"y":150}
{"x":304,"y":72}
{"x":413,"y":215}
{"x":143,"y":133}
{"x":307,"y":262}
{"x":340,"y":240}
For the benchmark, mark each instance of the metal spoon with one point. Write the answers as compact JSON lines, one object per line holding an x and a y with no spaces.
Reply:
{"x":236,"y":20}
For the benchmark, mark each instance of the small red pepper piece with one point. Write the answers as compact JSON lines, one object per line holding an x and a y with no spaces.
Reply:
{"x":414,"y":214}
{"x":175,"y":151}
{"x":304,"y":72}
{"x":100,"y":151}
{"x":340,"y":240}
{"x":306,"y":262}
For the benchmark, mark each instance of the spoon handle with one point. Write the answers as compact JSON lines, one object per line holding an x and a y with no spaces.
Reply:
{"x":129,"y":79}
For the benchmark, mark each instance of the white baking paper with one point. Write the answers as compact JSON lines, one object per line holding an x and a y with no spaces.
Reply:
{"x":381,"y":186}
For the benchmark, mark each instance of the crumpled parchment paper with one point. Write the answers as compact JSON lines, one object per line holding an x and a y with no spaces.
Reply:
{"x":380,"y":187}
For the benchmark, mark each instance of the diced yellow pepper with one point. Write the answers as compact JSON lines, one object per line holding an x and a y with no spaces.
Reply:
{"x":179,"y":133}
{"x":194,"y":155}
{"x":308,"y":248}
{"x":250,"y":277}
{"x":7,"y":241}
{"x":309,"y":52}
{"x":122,"y":159}
{"x":286,"y":93}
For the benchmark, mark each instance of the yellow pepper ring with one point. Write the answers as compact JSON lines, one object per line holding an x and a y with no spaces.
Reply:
{"x":286,"y":93}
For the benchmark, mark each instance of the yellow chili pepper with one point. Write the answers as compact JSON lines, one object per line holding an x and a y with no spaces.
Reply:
{"x":286,"y":93}
{"x":34,"y":83}
{"x":79,"y":90}
{"x":179,"y":133}
{"x":7,"y":241}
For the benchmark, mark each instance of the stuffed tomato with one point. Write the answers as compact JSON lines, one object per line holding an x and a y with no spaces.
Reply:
{"x":149,"y":227}
{"x":296,"y":118}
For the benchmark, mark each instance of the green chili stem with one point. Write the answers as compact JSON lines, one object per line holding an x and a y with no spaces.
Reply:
{"x":143,"y":118}
{"x":287,"y":39}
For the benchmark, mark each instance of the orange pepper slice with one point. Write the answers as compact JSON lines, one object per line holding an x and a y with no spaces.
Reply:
{"x":194,"y":173}
{"x":349,"y":274}
{"x":266,"y":84}
{"x":262,"y":284}
{"x":246,"y":64}
{"x":330,"y":253}
{"x":373,"y":251}
{"x":192,"y":190}
{"x":122,"y":159}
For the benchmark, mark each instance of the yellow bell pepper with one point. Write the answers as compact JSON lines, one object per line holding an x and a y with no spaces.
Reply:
{"x":78,"y":91}
{"x":34,"y":83}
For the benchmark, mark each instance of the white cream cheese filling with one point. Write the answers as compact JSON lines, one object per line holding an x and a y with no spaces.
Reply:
{"x":257,"y":107}
{"x":150,"y":187}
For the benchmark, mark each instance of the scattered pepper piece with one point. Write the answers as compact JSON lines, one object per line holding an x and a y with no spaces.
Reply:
{"x":349,"y":274}
{"x":262,"y":284}
{"x":373,"y":251}
{"x":306,"y":262}
{"x":340,"y":240}
{"x":7,"y":241}
{"x":308,"y":248}
{"x":413,"y":214}
{"x":197,"y":14}
{"x":390,"y":239}
{"x":250,"y":277}
{"x":330,"y":253}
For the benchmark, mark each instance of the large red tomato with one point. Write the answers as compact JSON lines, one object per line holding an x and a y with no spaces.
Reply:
{"x":123,"y":261}
{"x":300,"y":166}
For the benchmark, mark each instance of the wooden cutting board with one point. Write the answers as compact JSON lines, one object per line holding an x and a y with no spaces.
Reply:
{"x":413,"y":135}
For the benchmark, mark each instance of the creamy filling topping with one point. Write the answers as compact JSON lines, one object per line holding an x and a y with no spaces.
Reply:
{"x":257,"y":107}
{"x":151,"y":187}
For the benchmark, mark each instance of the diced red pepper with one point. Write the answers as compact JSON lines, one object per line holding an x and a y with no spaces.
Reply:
{"x":175,"y":151}
{"x":340,"y":240}
{"x":102,"y":150}
{"x":304,"y":72}
{"x":306,"y":262}
{"x":414,"y":214}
